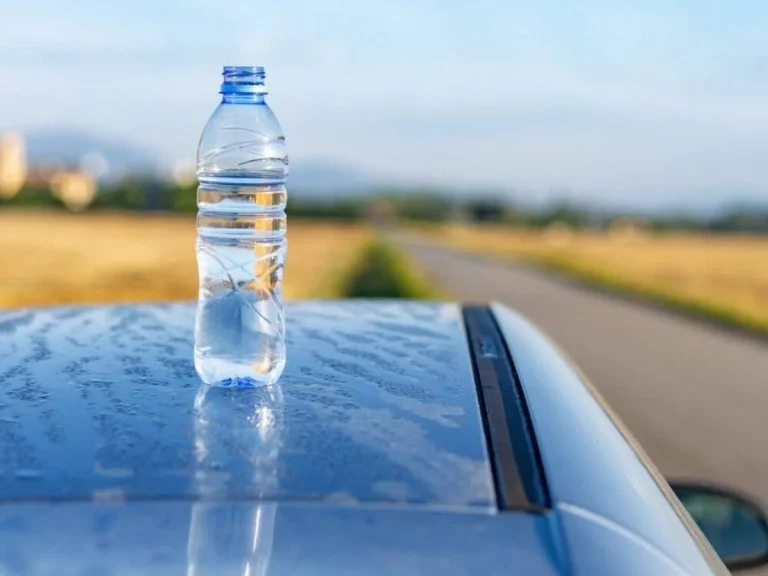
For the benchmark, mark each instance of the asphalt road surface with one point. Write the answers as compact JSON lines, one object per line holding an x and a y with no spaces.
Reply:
{"x":694,"y":395}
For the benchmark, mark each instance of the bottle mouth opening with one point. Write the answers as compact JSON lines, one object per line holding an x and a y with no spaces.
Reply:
{"x":243,"y":80}
{"x":241,"y":72}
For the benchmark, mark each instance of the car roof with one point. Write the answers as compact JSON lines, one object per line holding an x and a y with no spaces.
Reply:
{"x":372,"y":446}
{"x":377,"y":404}
{"x":380,"y":437}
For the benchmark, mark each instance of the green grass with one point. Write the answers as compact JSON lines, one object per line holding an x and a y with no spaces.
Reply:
{"x":716,"y":312}
{"x":383,"y":271}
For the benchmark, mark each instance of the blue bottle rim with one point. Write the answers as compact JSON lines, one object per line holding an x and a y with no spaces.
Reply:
{"x":243,"y":70}
{"x":243,"y":80}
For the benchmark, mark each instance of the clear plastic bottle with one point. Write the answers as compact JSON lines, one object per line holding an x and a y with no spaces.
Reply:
{"x":241,"y":168}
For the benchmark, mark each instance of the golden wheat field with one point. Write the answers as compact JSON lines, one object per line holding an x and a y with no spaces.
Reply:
{"x":722,"y":275}
{"x":55,"y":258}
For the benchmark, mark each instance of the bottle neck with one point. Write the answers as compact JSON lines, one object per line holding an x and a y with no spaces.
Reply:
{"x":243,"y":99}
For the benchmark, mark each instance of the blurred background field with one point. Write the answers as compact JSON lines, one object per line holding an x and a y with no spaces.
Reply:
{"x":56,"y":257}
{"x":59,"y":258}
{"x":68,"y":236}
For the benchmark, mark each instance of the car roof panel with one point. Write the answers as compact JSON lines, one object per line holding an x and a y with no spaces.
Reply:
{"x":377,"y":404}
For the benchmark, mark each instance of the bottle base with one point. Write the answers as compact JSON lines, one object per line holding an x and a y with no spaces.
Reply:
{"x":234,"y":373}
{"x":239,"y":382}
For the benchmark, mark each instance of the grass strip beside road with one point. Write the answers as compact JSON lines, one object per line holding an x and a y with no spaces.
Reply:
{"x":383,"y":271}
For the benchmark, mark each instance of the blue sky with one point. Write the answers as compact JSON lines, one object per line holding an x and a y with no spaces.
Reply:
{"x":645,"y":102}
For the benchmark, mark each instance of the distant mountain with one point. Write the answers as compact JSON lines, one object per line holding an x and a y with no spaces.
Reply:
{"x":309,"y":179}
{"x":70,"y":147}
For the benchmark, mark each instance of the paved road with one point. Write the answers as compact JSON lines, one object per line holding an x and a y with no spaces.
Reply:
{"x":695,"y":396}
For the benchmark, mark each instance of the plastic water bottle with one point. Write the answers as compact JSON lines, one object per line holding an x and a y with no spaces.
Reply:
{"x":241,"y":169}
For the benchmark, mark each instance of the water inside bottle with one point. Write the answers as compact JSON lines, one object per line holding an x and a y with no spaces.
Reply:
{"x":239,"y":330}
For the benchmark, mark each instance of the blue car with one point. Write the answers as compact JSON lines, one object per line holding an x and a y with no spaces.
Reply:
{"x":402,"y":438}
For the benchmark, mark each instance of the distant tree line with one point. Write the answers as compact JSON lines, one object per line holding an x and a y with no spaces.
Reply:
{"x":415,"y":205}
